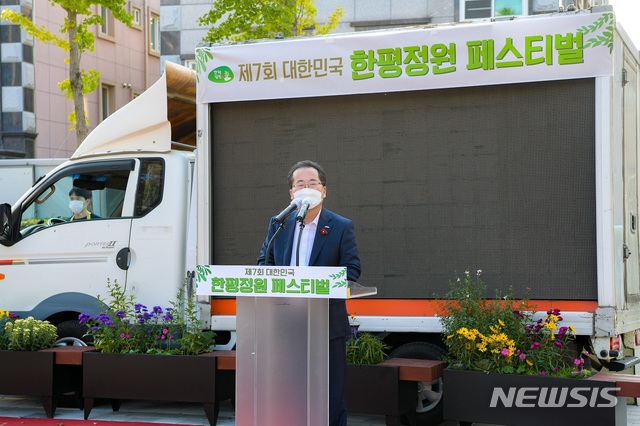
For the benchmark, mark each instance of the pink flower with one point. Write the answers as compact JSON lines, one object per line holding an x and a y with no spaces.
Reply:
{"x":505,"y":351}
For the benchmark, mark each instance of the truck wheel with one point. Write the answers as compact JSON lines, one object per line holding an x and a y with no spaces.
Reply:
{"x":71,"y":333}
{"x":429,"y":395}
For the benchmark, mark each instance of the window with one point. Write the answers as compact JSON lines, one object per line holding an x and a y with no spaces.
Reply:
{"x":478,"y":9}
{"x":107,"y":101}
{"x":150,"y":185}
{"x":103,"y":185}
{"x":137,"y":15}
{"x":154,"y":33}
{"x":107,"y":25}
{"x":190,"y":63}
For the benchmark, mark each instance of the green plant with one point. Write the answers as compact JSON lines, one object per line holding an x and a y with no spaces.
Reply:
{"x":501,"y":334}
{"x":27,"y":334}
{"x":193,"y":339}
{"x":365,"y":348}
{"x":5,"y":317}
{"x":125,"y":326}
{"x":506,"y":11}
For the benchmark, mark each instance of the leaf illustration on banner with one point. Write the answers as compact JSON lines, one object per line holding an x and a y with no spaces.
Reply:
{"x":222,"y":74}
{"x":203,"y":271}
{"x":343,"y":282}
{"x":340,"y":284}
{"x":202,"y":57}
{"x":606,"y":38}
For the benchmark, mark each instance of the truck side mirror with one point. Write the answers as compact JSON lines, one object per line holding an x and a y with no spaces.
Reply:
{"x":5,"y":216}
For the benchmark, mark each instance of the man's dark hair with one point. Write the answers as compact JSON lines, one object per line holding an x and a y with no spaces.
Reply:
{"x":79,"y":192}
{"x":307,"y":163}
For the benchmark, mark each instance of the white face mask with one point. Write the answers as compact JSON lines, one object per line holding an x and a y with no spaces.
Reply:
{"x":313,"y":194}
{"x":76,"y":206}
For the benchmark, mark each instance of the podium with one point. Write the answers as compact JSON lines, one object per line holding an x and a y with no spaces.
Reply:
{"x":282,"y":325}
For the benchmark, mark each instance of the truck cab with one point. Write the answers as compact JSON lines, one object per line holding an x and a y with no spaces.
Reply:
{"x":54,"y":266}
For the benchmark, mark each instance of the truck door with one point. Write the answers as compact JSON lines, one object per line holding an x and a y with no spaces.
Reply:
{"x":61,"y":262}
{"x":630,"y":138}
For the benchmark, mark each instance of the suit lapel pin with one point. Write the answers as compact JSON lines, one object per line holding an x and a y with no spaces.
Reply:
{"x":324,"y":231}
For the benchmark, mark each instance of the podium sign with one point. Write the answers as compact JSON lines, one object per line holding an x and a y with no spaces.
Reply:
{"x":273,"y":281}
{"x":282,"y":350}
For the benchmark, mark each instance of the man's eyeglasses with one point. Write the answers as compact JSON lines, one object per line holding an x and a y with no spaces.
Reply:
{"x":313,"y":185}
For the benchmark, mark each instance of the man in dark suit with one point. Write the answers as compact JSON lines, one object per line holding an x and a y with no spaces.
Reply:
{"x":327,"y":239}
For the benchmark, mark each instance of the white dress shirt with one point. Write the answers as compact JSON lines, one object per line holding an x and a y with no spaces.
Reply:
{"x":306,"y":243}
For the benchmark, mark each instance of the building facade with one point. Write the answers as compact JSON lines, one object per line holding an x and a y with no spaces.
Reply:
{"x":181,"y":32}
{"x":34,"y":121}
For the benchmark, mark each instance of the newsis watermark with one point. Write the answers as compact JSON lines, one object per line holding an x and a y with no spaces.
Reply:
{"x":553,"y":397}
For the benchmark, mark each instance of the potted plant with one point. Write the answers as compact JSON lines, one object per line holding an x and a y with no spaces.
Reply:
{"x":33,"y":371}
{"x":137,"y":348}
{"x":497,"y":350}
{"x":365,"y":348}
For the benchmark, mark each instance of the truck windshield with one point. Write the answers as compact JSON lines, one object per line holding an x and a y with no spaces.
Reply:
{"x":87,"y":196}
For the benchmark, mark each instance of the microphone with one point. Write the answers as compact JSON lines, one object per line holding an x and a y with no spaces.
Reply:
{"x":295,"y":204}
{"x":302,"y":213}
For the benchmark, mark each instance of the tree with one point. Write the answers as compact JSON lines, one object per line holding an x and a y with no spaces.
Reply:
{"x":79,"y":39}
{"x":238,"y":20}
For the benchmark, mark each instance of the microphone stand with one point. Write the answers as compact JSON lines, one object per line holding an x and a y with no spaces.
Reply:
{"x":266,"y":258}
{"x":298,"y":243}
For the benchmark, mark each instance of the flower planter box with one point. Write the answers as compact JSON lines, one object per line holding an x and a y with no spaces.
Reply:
{"x":37,"y":374}
{"x":179,"y":378}
{"x":473,"y":396}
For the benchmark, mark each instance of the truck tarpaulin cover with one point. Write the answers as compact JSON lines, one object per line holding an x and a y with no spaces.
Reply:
{"x":499,"y":177}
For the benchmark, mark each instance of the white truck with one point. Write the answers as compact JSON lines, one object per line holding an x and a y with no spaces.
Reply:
{"x":509,"y":146}
{"x":54,"y":268}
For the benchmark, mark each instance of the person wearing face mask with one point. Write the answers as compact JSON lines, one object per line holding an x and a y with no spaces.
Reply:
{"x":327,"y":240}
{"x":79,"y":204}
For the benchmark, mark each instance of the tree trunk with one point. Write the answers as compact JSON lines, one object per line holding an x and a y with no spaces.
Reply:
{"x":75,"y":79}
